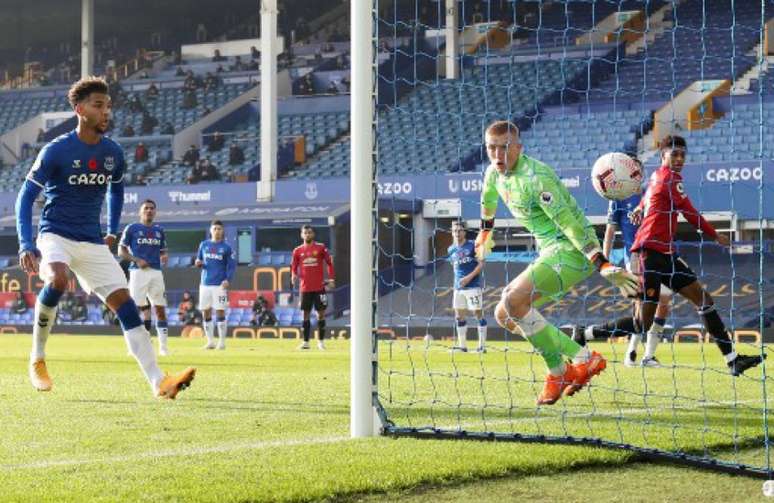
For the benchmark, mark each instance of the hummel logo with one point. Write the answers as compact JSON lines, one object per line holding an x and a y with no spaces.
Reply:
{"x":76,"y":163}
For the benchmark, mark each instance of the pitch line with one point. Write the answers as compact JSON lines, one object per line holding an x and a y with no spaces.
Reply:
{"x":196,"y":451}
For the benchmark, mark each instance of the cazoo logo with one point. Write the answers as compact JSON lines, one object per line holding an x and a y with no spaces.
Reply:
{"x":734,"y":174}
{"x":394,"y":188}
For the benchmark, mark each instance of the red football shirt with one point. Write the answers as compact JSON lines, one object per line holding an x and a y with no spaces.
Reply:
{"x":663,"y":200}
{"x":307,"y":264}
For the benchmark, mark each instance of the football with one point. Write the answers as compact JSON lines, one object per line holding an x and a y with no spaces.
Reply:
{"x":616,"y":176}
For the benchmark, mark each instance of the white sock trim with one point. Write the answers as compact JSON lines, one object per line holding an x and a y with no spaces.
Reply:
{"x":532,"y":322}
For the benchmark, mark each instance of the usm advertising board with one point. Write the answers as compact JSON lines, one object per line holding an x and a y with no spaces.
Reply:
{"x":743,"y":187}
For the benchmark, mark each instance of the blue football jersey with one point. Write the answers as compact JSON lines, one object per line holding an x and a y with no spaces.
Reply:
{"x":463,"y":260}
{"x":619,"y":213}
{"x":145,"y":242}
{"x":75,"y":177}
{"x":219,"y":262}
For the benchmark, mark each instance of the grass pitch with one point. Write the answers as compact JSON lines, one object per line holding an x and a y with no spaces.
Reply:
{"x":264,"y":422}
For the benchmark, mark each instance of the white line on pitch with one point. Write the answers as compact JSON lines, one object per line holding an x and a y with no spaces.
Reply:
{"x":176,"y":452}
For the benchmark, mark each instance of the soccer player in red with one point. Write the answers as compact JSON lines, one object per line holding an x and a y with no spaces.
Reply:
{"x":664,"y":199}
{"x":307,"y":265}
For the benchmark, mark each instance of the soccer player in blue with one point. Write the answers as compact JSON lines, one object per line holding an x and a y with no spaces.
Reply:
{"x":468,"y":296}
{"x":619,"y":216}
{"x":75,"y":172}
{"x":144,"y":245}
{"x":216,"y":258}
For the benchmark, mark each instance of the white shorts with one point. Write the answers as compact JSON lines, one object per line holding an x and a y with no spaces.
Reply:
{"x":468,"y":298}
{"x":147,"y":284}
{"x":212,"y":297}
{"x":95,"y":267}
{"x":633,"y":266}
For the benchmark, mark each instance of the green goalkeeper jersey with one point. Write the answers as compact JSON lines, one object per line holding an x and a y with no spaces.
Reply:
{"x":541,"y":203}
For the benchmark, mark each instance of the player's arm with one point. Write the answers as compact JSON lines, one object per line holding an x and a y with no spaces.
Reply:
{"x":115,"y":199}
{"x":230,"y":269}
{"x":163,"y":255}
{"x":331,"y":281}
{"x":612,"y":226}
{"x":200,"y":256}
{"x":293,"y":269}
{"x":33,"y":184}
{"x":692,"y":215}
{"x":489,"y":199}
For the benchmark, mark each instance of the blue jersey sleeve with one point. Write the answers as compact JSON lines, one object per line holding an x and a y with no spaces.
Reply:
{"x":125,"y":236}
{"x":230,"y":264}
{"x":199,"y":254}
{"x":24,"y":202}
{"x":43,"y":168}
{"x":163,"y":240}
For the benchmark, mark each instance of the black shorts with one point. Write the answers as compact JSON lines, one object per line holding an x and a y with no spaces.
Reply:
{"x":318,"y":300}
{"x":663,"y":269}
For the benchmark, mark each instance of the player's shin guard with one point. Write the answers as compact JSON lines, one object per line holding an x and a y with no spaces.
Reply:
{"x":162,"y":331}
{"x":209,"y":330}
{"x":549,"y":341}
{"x":481,"y":332}
{"x":714,"y":325}
{"x":45,"y":315}
{"x":307,"y":326}
{"x":222,"y":330}
{"x":321,"y":329}
{"x":138,"y":340}
{"x":462,"y":333}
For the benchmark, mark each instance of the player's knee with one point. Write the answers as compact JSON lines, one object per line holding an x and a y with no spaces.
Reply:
{"x":59,"y":281}
{"x":501,"y":314}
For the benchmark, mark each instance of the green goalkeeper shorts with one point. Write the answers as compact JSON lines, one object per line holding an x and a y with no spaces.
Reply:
{"x":556,"y":271}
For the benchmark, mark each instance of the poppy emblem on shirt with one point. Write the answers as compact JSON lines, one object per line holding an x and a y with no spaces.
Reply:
{"x":92,"y":164}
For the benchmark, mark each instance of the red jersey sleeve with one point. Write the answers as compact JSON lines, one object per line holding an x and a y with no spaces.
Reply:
{"x":691,"y":214}
{"x":294,"y":263}
{"x":328,"y":263}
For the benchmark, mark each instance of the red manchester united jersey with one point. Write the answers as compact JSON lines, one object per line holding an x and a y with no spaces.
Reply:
{"x":663,"y":200}
{"x":307,"y":264}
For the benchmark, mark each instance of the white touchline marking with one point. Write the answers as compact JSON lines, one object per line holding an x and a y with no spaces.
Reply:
{"x":196,"y":451}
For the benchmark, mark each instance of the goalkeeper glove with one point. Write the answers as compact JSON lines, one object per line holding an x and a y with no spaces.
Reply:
{"x":484,"y":241}
{"x":627,"y":283}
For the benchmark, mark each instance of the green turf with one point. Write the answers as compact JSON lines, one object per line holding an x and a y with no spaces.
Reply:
{"x":262,"y":422}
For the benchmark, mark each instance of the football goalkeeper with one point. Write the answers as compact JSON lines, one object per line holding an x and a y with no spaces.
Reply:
{"x":569,"y":253}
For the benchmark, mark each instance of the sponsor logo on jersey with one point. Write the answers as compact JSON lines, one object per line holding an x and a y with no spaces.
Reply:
{"x":213,"y":256}
{"x":89,"y":179}
{"x":148,"y":241}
